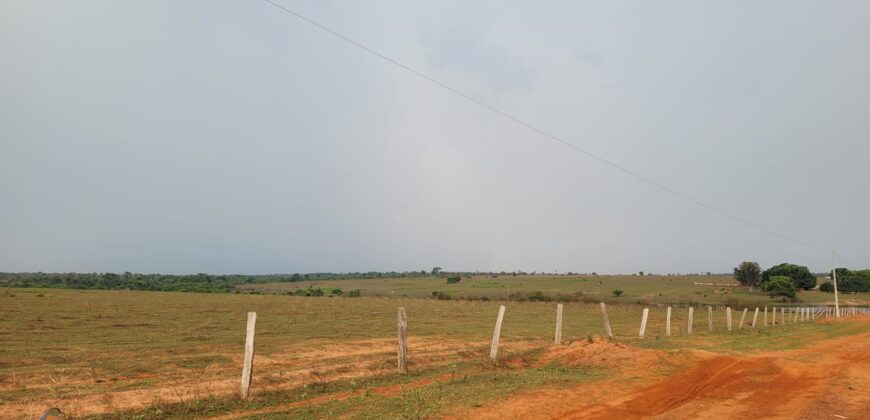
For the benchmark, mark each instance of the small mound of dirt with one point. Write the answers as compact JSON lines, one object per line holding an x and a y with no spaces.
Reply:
{"x":599,"y":352}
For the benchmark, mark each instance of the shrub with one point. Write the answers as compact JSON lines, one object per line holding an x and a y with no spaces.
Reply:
{"x":827,"y":287}
{"x":441,"y":295}
{"x":781,"y":286}
{"x":617,"y":292}
{"x":336,"y":292}
{"x":453,"y":279}
{"x":354,"y":293}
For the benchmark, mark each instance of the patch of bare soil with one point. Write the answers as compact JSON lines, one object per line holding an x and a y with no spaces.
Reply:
{"x":825,"y":380}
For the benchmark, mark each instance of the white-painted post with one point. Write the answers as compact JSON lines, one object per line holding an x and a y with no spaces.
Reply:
{"x":710,"y":318}
{"x":728,"y":317}
{"x":795,"y":320}
{"x":836,"y":293}
{"x":493,"y":350}
{"x":403,"y":341}
{"x":558,"y":339}
{"x":743,"y":317}
{"x":668,"y":323}
{"x":774,"y":316}
{"x":689,"y":327}
{"x":755,"y":318}
{"x":765,"y":316}
{"x":643,"y":321}
{"x":248,"y":361}
{"x":606,"y":321}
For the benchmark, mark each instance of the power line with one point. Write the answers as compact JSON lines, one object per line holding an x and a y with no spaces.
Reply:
{"x":541,"y":131}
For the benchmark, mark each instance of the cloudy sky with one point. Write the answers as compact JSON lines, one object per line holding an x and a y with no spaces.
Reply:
{"x":232,"y":137}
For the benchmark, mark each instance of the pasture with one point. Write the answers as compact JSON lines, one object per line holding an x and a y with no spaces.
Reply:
{"x":158,"y":354}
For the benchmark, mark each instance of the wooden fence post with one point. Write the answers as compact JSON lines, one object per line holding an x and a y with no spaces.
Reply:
{"x":743,"y":317}
{"x":710,"y":318}
{"x":755,"y":318}
{"x":643,"y":321}
{"x":606,"y":321}
{"x":493,"y":350}
{"x":668,"y":323}
{"x":691,"y":312}
{"x":728,"y":317}
{"x":248,"y":362}
{"x":403,"y":341}
{"x":558,"y":339}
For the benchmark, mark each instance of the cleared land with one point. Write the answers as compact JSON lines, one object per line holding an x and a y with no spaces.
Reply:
{"x":715,"y":290}
{"x":154,"y":354}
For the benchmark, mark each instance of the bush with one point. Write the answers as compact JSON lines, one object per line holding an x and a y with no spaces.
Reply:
{"x":441,"y":295}
{"x":453,"y":279}
{"x":354,"y":293}
{"x":617,"y":292}
{"x":802,"y":277}
{"x":781,"y":286}
{"x":827,"y":287}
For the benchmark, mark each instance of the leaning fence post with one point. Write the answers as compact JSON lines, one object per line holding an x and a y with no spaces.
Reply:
{"x":248,"y":362}
{"x":558,"y":339}
{"x":643,"y":321}
{"x":710,"y":318}
{"x":755,"y":318}
{"x":743,"y":317}
{"x":668,"y":323}
{"x":493,"y":350}
{"x":689,"y":328}
{"x":606,"y":321}
{"x":403,"y":341}
{"x":728,"y":317}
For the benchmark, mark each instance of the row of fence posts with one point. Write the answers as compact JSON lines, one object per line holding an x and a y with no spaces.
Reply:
{"x":797,"y":314}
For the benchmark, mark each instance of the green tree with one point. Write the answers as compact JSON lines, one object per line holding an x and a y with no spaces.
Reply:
{"x":436,"y":270}
{"x":748,"y":273}
{"x":803,"y":278}
{"x":827,"y":287}
{"x":781,"y":286}
{"x":617,"y":292}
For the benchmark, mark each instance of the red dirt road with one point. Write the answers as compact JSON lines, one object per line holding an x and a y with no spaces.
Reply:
{"x":826,"y":380}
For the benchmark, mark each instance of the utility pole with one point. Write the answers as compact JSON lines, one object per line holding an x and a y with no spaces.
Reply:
{"x":834,"y":276}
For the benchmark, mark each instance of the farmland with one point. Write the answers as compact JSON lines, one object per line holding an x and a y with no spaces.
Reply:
{"x":158,"y":354}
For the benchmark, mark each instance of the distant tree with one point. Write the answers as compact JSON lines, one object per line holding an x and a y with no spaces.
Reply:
{"x":827,"y":287}
{"x":436,"y":270}
{"x":453,"y":279}
{"x":640,"y":273}
{"x":748,"y":273}
{"x":617,"y":292}
{"x":803,"y":278}
{"x":781,"y":286}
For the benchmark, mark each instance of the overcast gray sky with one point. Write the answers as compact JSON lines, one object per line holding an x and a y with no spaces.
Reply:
{"x":231,"y":137}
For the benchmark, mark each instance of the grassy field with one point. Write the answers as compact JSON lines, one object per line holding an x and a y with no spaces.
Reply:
{"x":637,"y":289}
{"x":118,"y":349}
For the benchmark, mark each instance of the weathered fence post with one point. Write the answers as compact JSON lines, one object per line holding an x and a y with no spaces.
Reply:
{"x":668,"y":323}
{"x":493,"y":350}
{"x":689,"y":328}
{"x":643,"y":321}
{"x":755,"y":318}
{"x":403,"y":341}
{"x":558,"y":339}
{"x":248,"y":361}
{"x":743,"y":317}
{"x":728,"y":317}
{"x":765,"y":316}
{"x":710,"y":318}
{"x":606,"y":321}
{"x":773,"y":321}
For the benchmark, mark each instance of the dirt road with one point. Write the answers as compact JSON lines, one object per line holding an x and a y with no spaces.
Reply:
{"x":826,"y":380}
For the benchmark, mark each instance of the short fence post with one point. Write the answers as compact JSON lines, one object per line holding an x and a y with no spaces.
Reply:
{"x":668,"y":323}
{"x":728,"y":318}
{"x":248,"y":362}
{"x":403,"y":341}
{"x":689,"y":328}
{"x":558,"y":339}
{"x":755,"y":318}
{"x":765,"y":316}
{"x":773,"y":321}
{"x":606,"y":321}
{"x":743,"y":317}
{"x":493,"y":350}
{"x":710,"y":318}
{"x":643,"y":321}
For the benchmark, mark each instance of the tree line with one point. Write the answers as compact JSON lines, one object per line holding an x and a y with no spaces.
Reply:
{"x":785,"y":280}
